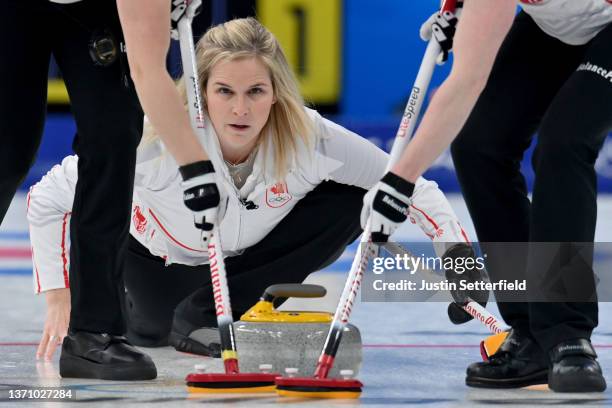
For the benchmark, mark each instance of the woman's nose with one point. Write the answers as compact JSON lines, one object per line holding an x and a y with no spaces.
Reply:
{"x":241,"y":106}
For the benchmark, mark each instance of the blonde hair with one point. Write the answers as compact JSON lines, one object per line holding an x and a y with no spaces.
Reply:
{"x":247,"y":38}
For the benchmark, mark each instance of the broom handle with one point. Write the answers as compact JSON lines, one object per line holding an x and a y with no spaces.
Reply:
{"x":366,"y":249}
{"x":218,"y":273}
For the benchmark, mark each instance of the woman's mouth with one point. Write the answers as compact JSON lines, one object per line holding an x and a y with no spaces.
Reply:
{"x":239,"y":127}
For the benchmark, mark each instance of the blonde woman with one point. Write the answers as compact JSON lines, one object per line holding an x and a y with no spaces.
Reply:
{"x":291,"y":183}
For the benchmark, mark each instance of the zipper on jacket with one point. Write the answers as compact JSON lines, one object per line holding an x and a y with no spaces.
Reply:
{"x":248,"y":204}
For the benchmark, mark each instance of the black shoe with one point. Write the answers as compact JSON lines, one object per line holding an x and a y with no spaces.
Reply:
{"x":103,"y":356}
{"x":575,"y":368}
{"x":204,"y":341}
{"x":519,"y":362}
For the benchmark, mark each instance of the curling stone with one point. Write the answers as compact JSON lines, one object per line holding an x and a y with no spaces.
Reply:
{"x":278,"y":340}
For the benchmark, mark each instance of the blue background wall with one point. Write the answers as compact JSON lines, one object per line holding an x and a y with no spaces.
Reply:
{"x":382,"y":54}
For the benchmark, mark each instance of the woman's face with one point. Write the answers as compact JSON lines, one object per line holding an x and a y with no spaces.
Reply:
{"x":239,"y":95}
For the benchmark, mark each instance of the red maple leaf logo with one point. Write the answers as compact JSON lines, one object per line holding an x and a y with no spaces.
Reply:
{"x":140,"y":221}
{"x":278,"y":188}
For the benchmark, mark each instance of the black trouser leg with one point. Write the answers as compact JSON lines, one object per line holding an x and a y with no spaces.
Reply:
{"x":153,"y":290}
{"x":529,"y":69}
{"x":24,"y":64}
{"x":565,"y":191}
{"x":109,"y":126}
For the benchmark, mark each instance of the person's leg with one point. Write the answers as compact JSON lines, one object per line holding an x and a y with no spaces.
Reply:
{"x":529,"y":69}
{"x":564,"y":206}
{"x":24,"y":63}
{"x":152,"y":292}
{"x":309,"y":238}
{"x":109,"y":126}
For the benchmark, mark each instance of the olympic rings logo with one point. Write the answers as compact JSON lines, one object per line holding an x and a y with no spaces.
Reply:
{"x":278,"y":195}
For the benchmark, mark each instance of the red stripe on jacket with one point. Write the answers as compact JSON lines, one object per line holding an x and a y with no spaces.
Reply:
{"x":176,"y":241}
{"x":64,"y":257}
{"x":36,"y":271}
{"x":431,"y":221}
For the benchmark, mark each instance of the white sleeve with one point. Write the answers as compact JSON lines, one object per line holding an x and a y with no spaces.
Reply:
{"x":345,"y":157}
{"x":155,"y":166}
{"x":432,"y":212}
{"x":49,"y":209}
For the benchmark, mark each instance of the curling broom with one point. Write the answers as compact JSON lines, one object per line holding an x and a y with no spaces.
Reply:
{"x":319,"y":385}
{"x":232,"y":380}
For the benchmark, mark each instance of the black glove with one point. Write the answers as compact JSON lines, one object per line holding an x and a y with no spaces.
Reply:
{"x":442,"y":26}
{"x":201,"y":195}
{"x":387,"y":204}
{"x":177,"y":12}
{"x":456,"y":314}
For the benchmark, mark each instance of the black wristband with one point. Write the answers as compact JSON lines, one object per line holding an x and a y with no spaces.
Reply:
{"x":403,"y":186}
{"x":195,"y":169}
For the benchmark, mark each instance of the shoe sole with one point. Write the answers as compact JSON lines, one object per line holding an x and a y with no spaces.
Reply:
{"x":77,"y":367}
{"x":538,"y":377}
{"x":585,"y":383}
{"x":188,"y":345}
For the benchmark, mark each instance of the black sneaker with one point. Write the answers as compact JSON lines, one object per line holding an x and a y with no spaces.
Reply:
{"x":104,"y":356}
{"x":575,"y":368}
{"x":204,"y":341}
{"x":519,"y":362}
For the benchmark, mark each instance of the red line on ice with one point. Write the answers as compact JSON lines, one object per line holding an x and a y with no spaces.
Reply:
{"x":445,"y":345}
{"x":419,"y":345}
{"x":18,"y":343}
{"x":440,"y":346}
{"x":15,"y":253}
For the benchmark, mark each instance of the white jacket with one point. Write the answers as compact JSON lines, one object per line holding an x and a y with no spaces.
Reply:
{"x":574,"y":22}
{"x":161,"y":222}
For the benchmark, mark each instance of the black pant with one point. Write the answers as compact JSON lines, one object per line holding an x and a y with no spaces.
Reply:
{"x":310,"y":237}
{"x":535,"y":86}
{"x":109,"y":126}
